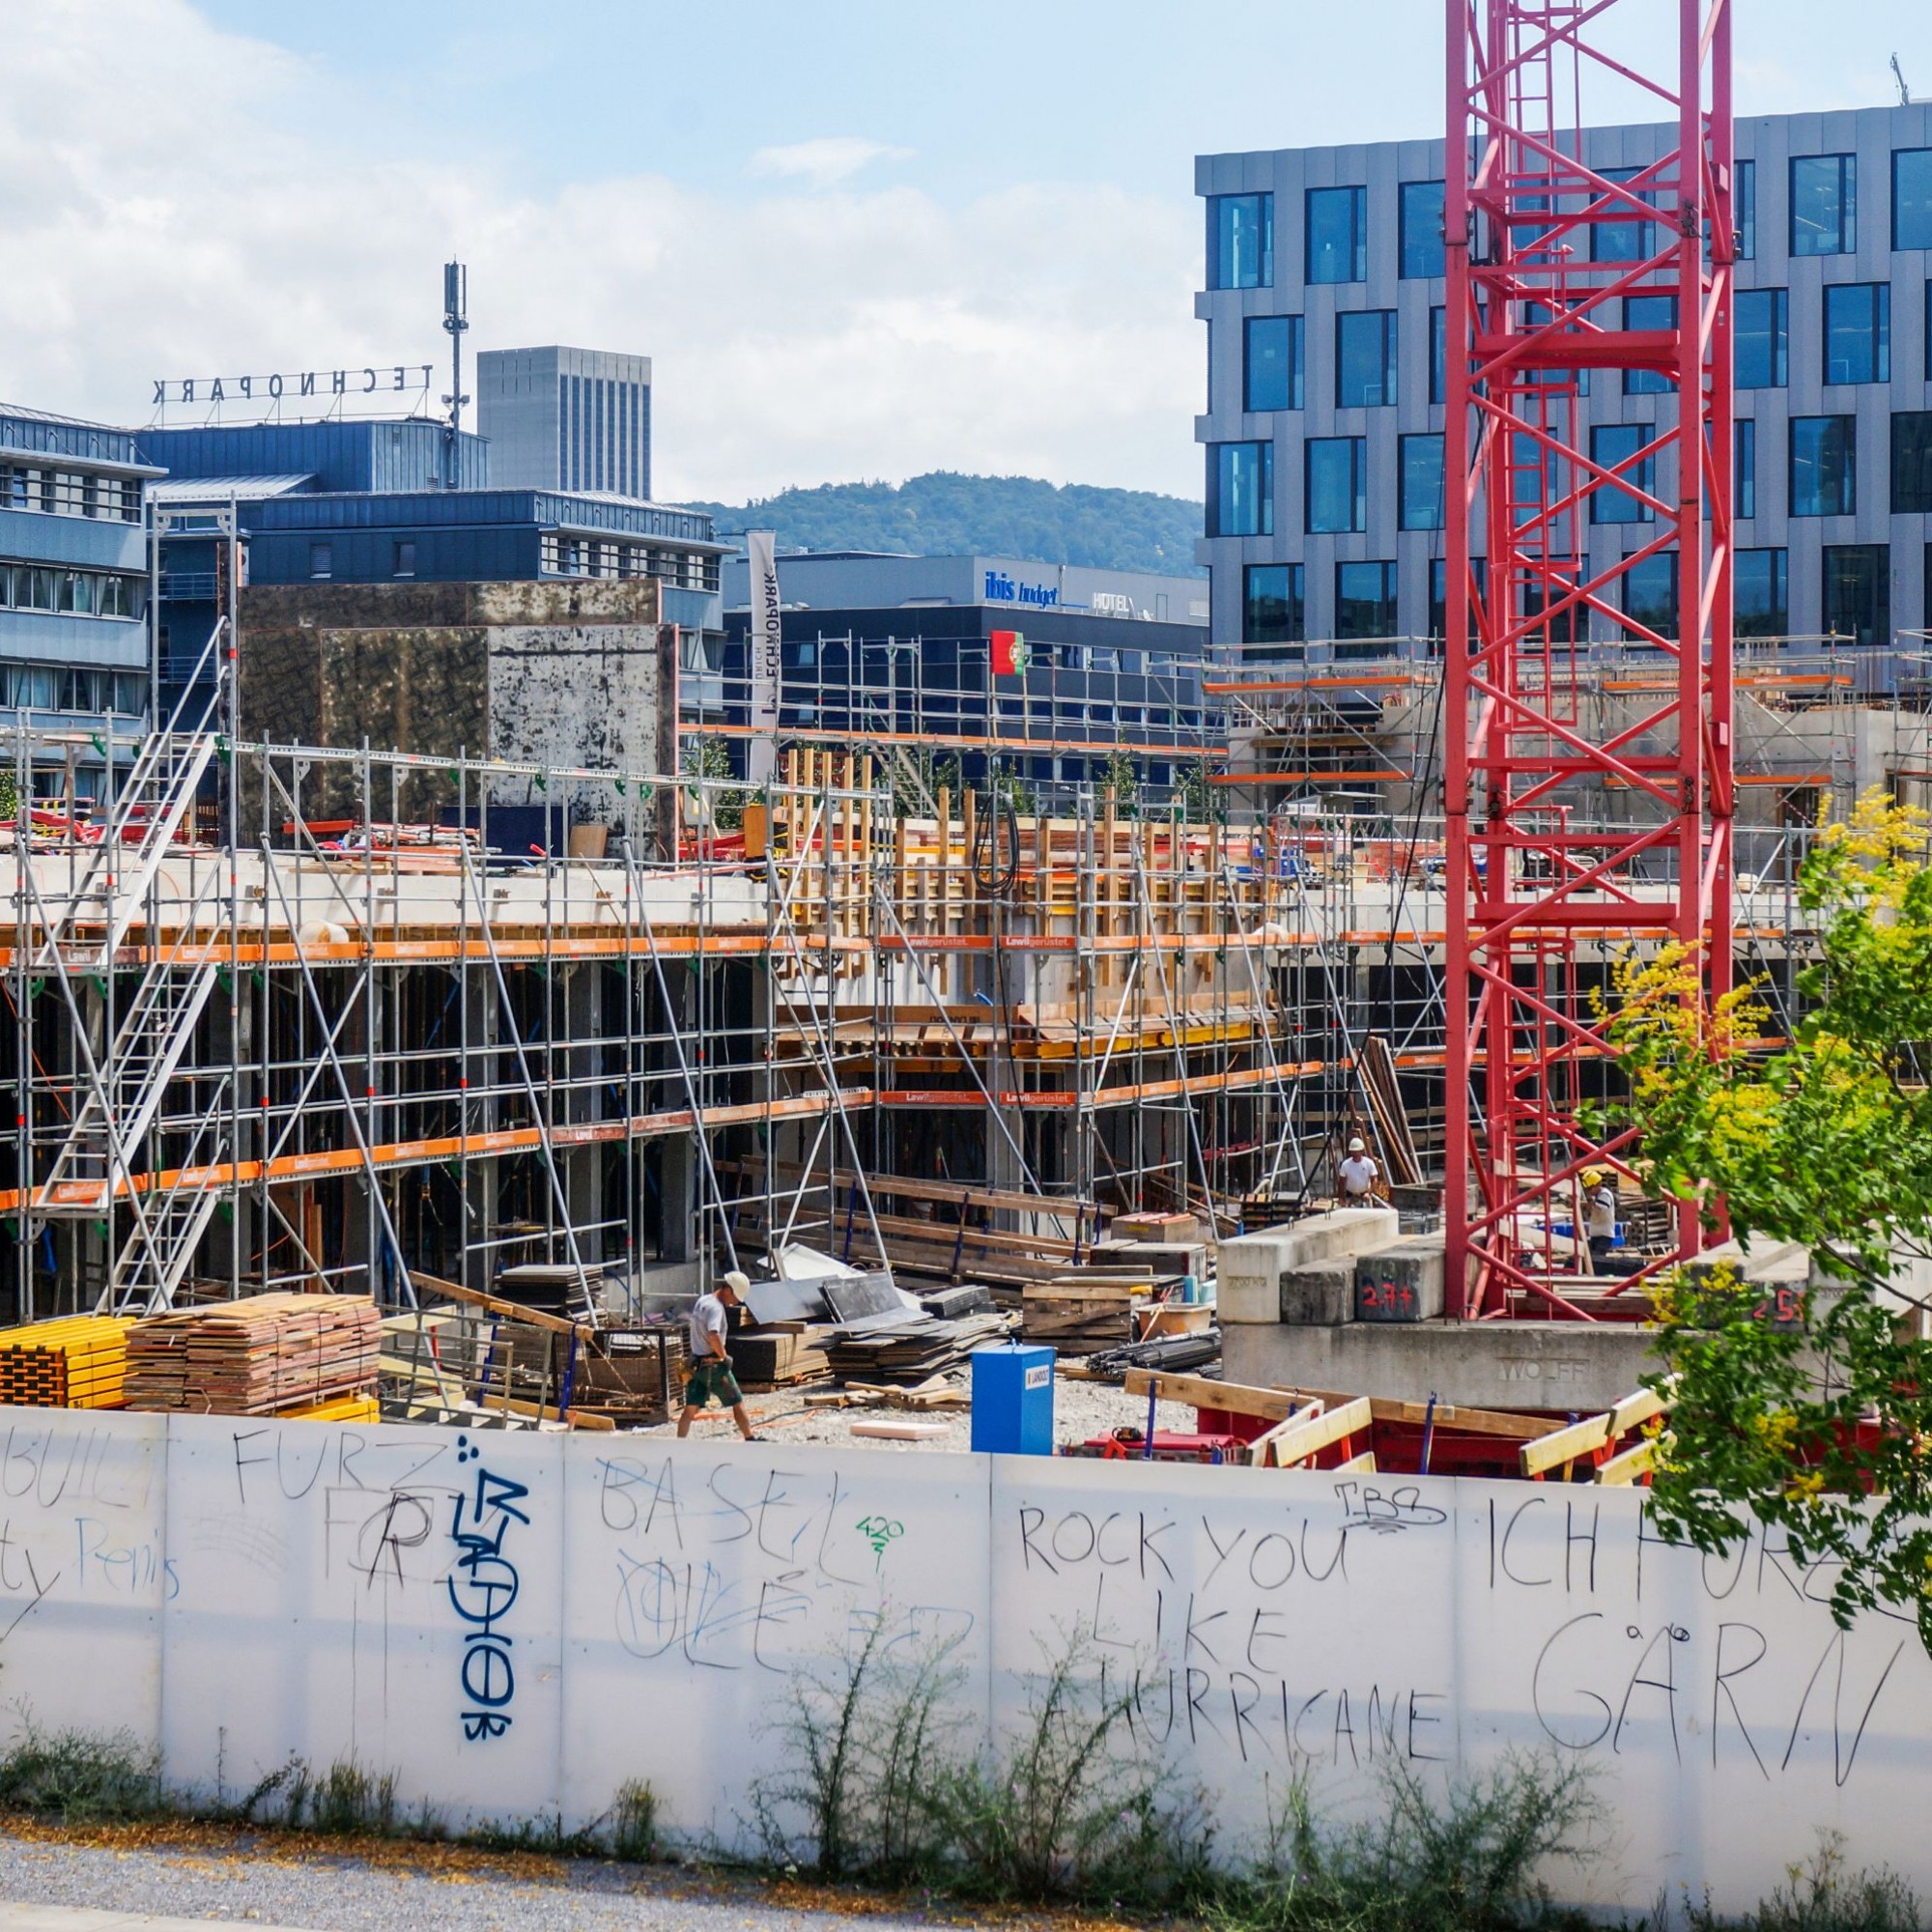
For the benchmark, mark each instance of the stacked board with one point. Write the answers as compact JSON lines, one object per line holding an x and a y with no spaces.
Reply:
{"x":910,"y":1350}
{"x":78,"y":1361}
{"x":261,"y":1355}
{"x":1083,"y":1314}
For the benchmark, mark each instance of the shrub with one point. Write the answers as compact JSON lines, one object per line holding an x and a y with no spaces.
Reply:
{"x":1820,"y":1896}
{"x":77,"y":1778}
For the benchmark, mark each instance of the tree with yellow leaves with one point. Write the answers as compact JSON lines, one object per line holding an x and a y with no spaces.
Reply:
{"x":1819,"y":1424}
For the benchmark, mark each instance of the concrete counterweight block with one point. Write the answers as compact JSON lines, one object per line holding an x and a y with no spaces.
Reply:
{"x":1403,"y":1283}
{"x":1251,"y":1268}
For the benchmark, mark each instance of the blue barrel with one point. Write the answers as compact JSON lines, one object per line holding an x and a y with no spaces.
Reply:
{"x":1013,"y":1401}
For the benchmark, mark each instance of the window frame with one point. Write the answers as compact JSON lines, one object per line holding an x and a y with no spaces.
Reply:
{"x":1906,"y":501}
{"x":1744,"y":207}
{"x":1388,"y":599}
{"x":1781,"y":586}
{"x":1847,"y":241}
{"x":1780,"y":336}
{"x":1358,"y":235}
{"x":1434,"y":248}
{"x":1219,"y":453}
{"x":1295,"y":600}
{"x":1645,"y":227}
{"x":1877,"y":329}
{"x":1294,"y":362}
{"x":1879,"y":555}
{"x":1643,"y":477}
{"x":1743,"y":469}
{"x":1389,"y":377}
{"x":1358,"y":485}
{"x":1647,"y":382}
{"x":1849,"y":471}
{"x":1403,"y":444}
{"x":1902,"y":154}
{"x":1263,"y":199}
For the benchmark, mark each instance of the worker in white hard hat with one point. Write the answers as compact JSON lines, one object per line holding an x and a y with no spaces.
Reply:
{"x":1357,"y":1172}
{"x":711,"y":1366}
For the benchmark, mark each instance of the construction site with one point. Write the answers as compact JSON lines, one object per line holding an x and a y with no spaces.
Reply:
{"x":445,"y":953}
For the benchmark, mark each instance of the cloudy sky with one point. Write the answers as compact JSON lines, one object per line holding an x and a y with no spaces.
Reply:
{"x":858,"y":239}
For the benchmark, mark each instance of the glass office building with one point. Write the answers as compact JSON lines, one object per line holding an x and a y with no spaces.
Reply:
{"x":1324,"y":298}
{"x":571,"y":419}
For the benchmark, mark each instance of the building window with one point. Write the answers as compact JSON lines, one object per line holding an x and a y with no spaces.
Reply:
{"x":1912,"y":198}
{"x":1824,"y":464}
{"x":1537,"y":315}
{"x":1858,"y":593}
{"x":1566,"y":627}
{"x":1650,"y":313}
{"x":1650,"y":594}
{"x":1438,"y":355}
{"x":1421,"y":474}
{"x":1336,"y":484}
{"x":1858,"y":333}
{"x":1438,"y":601}
{"x":1743,"y":208}
{"x":1364,"y":600}
{"x":1745,"y":482}
{"x":1273,"y":604}
{"x":1422,"y":206}
{"x":1759,"y":342}
{"x":1911,"y":462}
{"x":1611,"y":446}
{"x":1271,"y":362}
{"x":1240,"y":489}
{"x":1758,"y":588}
{"x":1627,"y":238}
{"x":1240,"y":242}
{"x":321,"y":561}
{"x":1365,"y":358}
{"x":1825,"y":205}
{"x":1338,"y":233}
{"x":403,"y":559}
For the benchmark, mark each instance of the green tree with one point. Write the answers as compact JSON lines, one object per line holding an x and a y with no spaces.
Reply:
{"x":1199,"y":799}
{"x":711,"y":758}
{"x":1818,"y":1424}
{"x":1121,"y":783}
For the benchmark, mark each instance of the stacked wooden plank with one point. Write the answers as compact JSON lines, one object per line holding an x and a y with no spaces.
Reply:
{"x":780,"y":1357}
{"x":257,"y":1356}
{"x":1086,"y":1311}
{"x":913,"y":1350}
{"x":79,"y":1361}
{"x":1380,"y":1087}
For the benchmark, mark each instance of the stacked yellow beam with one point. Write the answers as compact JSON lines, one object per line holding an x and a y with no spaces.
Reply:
{"x":78,"y":1361}
{"x":343,"y":1408}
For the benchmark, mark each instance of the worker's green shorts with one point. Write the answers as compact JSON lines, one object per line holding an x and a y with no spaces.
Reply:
{"x":713,"y":1378}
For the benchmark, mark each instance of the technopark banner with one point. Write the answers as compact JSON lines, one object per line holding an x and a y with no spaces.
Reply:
{"x":763,"y":640}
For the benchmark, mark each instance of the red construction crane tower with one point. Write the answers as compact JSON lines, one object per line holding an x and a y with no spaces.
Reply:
{"x":1546,"y":880}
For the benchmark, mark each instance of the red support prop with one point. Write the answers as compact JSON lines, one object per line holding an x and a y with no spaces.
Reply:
{"x":1569,"y":839}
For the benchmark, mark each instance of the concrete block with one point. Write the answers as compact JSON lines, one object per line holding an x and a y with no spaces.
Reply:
{"x":1403,"y":1283}
{"x":1248,"y":1272}
{"x":1250,"y":1267}
{"x":1318,"y":1296}
{"x":1167,"y":1258}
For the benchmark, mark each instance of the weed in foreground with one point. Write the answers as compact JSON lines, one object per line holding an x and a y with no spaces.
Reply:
{"x":1821,"y":1895}
{"x":77,"y":1778}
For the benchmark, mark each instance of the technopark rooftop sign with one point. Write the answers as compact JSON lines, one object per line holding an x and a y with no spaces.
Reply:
{"x":372,"y":379}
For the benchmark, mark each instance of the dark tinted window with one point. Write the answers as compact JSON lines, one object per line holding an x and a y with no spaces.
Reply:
{"x":1240,"y":242}
{"x":1338,"y":233}
{"x":1421,"y":229}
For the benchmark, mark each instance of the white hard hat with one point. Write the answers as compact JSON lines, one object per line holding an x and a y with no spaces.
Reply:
{"x":737,"y":1283}
{"x":1355,"y":1146}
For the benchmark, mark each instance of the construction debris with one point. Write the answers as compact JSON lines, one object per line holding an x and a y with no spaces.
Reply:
{"x":910,"y":1349}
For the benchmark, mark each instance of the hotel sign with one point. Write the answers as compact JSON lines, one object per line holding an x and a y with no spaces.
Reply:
{"x":385,"y":378}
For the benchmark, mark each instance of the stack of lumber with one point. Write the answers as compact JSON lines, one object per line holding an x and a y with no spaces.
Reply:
{"x":79,"y":1361}
{"x":256,"y":1356}
{"x":915,"y":1349}
{"x":1085,"y":1312}
{"x":1375,"y":1064}
{"x":780,"y":1355}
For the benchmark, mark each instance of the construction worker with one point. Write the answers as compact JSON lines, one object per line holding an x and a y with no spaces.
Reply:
{"x":1600,"y":1211}
{"x":1356,"y":1173}
{"x":711,"y":1366}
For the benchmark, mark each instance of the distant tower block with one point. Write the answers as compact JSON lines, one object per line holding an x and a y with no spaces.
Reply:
{"x":1546,"y":879}
{"x":577,"y":419}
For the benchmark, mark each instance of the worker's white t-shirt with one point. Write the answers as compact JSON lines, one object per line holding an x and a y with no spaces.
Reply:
{"x":1600,"y":1211}
{"x":1359,"y":1174}
{"x":707,"y":1319}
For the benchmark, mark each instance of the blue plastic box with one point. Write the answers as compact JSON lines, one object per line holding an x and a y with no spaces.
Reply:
{"x":1013,"y":1401}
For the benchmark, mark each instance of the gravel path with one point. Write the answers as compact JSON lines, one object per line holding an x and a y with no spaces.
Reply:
{"x":1080,"y":1409}
{"x":236,"y":1879}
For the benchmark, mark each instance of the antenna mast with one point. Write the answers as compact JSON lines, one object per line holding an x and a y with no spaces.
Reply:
{"x":456,"y":320}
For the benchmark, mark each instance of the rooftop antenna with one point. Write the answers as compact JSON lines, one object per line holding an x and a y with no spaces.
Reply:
{"x":456,"y":320}
{"x":1899,"y":74}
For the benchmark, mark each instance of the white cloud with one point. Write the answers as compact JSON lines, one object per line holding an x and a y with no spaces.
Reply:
{"x":163,"y":210}
{"x":824,"y":163}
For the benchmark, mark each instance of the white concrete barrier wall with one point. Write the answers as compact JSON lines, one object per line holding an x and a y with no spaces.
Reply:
{"x":515,"y":1623}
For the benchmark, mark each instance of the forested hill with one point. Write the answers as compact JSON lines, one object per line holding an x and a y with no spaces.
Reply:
{"x":944,"y":514}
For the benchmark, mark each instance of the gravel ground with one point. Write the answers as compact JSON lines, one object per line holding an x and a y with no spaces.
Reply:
{"x":1080,"y":1409}
{"x":406,"y":1888}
